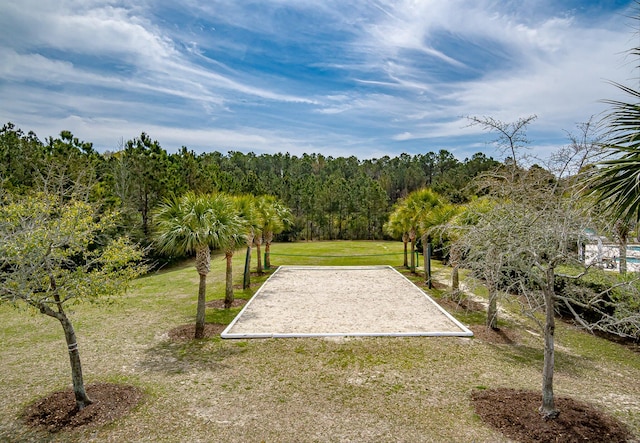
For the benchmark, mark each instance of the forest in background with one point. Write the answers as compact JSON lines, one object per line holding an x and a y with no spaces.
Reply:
{"x":330,"y":198}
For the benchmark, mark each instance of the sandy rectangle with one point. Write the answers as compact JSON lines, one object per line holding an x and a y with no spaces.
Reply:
{"x":307,"y":301}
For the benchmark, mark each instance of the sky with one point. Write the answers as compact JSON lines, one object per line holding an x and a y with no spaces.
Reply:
{"x":338,"y":77}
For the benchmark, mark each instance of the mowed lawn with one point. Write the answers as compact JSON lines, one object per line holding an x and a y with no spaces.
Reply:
{"x":379,"y":389}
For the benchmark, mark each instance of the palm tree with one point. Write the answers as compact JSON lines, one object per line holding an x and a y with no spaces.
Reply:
{"x":439,"y":215}
{"x":196,"y":223}
{"x":616,"y":180}
{"x":246,"y":206}
{"x":397,"y":226}
{"x":420,"y":208}
{"x":229,"y":243}
{"x":274,"y":218}
{"x":405,"y":216}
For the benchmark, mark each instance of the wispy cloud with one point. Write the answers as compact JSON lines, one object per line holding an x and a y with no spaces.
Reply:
{"x":358,"y":77}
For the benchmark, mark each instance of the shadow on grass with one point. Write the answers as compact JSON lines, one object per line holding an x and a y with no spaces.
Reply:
{"x":174,"y":357}
{"x":179,"y":357}
{"x":528,"y":356}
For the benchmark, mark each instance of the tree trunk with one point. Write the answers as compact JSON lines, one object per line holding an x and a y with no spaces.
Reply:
{"x":228,"y":293}
{"x":492,"y":307}
{"x":412,"y":237}
{"x":82,"y":400}
{"x":200,"y":310}
{"x":268,"y":238}
{"x":426,"y":254}
{"x":203,"y":264}
{"x":492,"y":278}
{"x":246,"y":281}
{"x":455,"y":279}
{"x":455,"y":276}
{"x":258,"y":242}
{"x":405,"y":240}
{"x":548,"y":409}
{"x":622,"y":250}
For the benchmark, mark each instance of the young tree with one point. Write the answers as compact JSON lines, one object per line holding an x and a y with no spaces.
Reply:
{"x":532,"y":231}
{"x":54,"y":253}
{"x":195,"y":224}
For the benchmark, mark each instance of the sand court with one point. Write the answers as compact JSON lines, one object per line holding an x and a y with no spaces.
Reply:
{"x":319,"y":301}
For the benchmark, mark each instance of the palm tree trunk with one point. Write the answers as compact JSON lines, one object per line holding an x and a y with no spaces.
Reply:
{"x":622,"y":251}
{"x":203,"y":264}
{"x":412,"y":237}
{"x":267,"y":249}
{"x":200,"y":310}
{"x":258,"y":242}
{"x":246,"y":281}
{"x":228,"y":293}
{"x":405,"y":240}
{"x":426,"y":254}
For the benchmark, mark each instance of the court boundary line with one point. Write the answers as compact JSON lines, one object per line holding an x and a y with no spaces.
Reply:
{"x":464,"y":331}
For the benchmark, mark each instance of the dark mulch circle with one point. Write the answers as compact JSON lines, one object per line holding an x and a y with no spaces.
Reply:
{"x":57,"y":412}
{"x":501,"y":336}
{"x":188,"y":332}
{"x":515,"y":414}
{"x":219,"y":304}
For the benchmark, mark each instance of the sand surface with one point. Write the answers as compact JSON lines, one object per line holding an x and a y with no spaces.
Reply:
{"x":299,"y":301}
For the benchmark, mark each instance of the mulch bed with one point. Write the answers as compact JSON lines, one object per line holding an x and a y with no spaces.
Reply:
{"x":57,"y":412}
{"x":515,"y":414}
{"x":187,"y":332}
{"x":502,"y":336}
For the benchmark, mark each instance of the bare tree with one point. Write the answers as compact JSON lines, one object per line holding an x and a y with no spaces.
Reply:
{"x":511,"y":135}
{"x":533,"y":229}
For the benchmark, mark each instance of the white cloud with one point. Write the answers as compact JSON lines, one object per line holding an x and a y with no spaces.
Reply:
{"x":402,"y":73}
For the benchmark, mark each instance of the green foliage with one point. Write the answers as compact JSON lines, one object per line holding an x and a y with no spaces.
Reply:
{"x":329,"y":198}
{"x":615,"y":182}
{"x":53,"y":252}
{"x":183,"y":224}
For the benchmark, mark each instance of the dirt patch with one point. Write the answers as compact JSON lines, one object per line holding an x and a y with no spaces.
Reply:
{"x":188,"y":332}
{"x":219,"y":304}
{"x":502,"y":336}
{"x":57,"y":412}
{"x":515,"y":414}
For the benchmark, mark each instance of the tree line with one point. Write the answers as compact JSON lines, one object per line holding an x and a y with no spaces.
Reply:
{"x":329,"y":197}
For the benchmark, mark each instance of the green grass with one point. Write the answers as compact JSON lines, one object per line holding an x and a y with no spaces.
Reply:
{"x":341,"y":389}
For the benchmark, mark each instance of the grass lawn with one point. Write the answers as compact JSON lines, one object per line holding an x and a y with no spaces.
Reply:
{"x":357,"y":389}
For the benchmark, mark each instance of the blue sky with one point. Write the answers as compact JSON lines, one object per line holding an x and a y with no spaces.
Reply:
{"x":358,"y":77}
